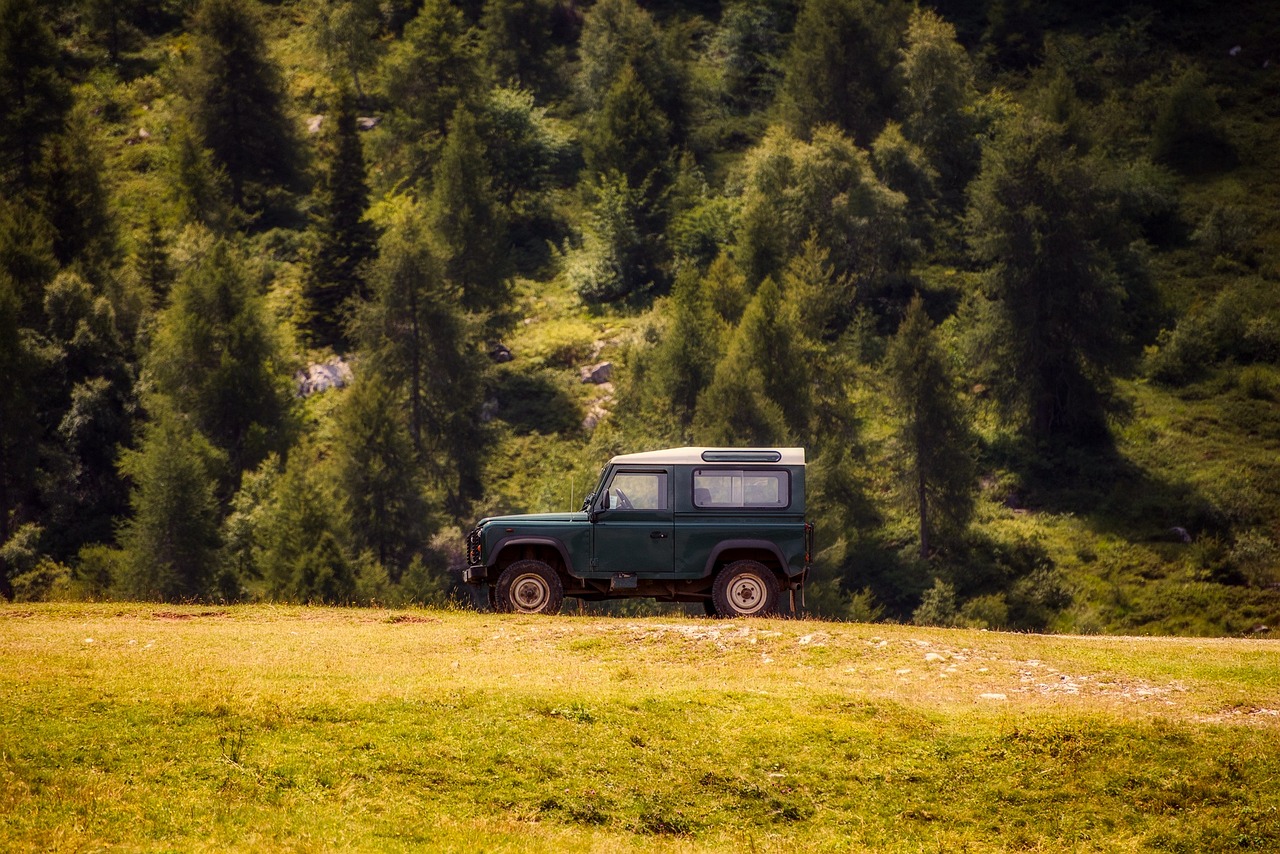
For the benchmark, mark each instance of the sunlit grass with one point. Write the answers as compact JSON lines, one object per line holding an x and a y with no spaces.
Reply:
{"x":266,"y":727}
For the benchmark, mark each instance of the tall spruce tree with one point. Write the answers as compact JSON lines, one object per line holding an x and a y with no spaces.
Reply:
{"x":933,"y":434}
{"x":215,"y":357}
{"x":345,"y":240}
{"x":427,"y":75}
{"x":380,"y":482}
{"x":1049,"y":232}
{"x":238,"y":104}
{"x":415,"y":334}
{"x":939,"y":103}
{"x":171,"y":540}
{"x":467,"y":220}
{"x":34,"y":98}
{"x":301,"y":554}
{"x":839,"y":66}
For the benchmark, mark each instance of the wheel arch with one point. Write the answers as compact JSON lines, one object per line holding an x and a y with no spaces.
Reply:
{"x":762,"y":551}
{"x":549,"y":550}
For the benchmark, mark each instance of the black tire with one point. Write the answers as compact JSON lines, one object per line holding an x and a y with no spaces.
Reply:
{"x":492,"y":592}
{"x":709,"y":607}
{"x":528,"y":587}
{"x":745,"y":588}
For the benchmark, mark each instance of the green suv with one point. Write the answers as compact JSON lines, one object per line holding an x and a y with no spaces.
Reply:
{"x":720,"y":526}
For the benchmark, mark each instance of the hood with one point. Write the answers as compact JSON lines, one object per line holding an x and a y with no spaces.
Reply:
{"x":579,"y":516}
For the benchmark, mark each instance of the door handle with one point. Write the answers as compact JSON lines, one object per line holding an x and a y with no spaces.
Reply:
{"x":658,"y":535}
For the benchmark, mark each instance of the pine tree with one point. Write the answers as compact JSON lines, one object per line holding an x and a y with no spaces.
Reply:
{"x":1056,"y":252}
{"x":416,"y":336}
{"x":379,"y":480}
{"x":345,"y":239}
{"x":171,"y":541}
{"x":629,"y":135}
{"x":934,"y":438}
{"x":825,"y":189}
{"x":839,"y":66}
{"x":517,"y":40}
{"x":939,"y":103}
{"x":216,"y":358}
{"x":428,"y":74}
{"x":467,"y":220}
{"x":34,"y":99}
{"x":346,"y":32}
{"x":301,"y":555}
{"x":617,"y":34}
{"x":238,"y":104}
{"x":75,"y":201}
{"x":760,"y":391}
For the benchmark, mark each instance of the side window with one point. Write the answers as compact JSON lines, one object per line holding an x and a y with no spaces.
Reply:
{"x":638,"y":491}
{"x":726,"y":488}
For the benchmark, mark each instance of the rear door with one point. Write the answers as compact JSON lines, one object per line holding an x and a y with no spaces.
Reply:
{"x":634,"y":533}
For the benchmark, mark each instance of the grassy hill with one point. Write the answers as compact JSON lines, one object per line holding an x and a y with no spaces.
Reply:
{"x":265,"y":728}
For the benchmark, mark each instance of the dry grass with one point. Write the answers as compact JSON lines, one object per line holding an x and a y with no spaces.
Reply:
{"x":298,"y":728}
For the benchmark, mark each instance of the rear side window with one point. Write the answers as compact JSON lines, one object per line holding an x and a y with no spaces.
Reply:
{"x":741,"y":488}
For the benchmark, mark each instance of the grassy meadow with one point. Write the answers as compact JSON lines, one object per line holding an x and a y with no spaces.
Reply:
{"x":139,"y":727}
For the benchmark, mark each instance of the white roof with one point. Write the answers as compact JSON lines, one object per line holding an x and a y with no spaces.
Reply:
{"x":693,"y":456}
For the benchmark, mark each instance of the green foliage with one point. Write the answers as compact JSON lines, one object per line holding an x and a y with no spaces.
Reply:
{"x":794,"y":189}
{"x":838,"y":66}
{"x":939,"y":103}
{"x":346,"y":32}
{"x":34,"y":97}
{"x":380,"y":484}
{"x":467,"y":220}
{"x":617,"y":34}
{"x":416,"y":336}
{"x":759,"y":393}
{"x":611,"y":264}
{"x":426,"y":76}
{"x":935,"y":456}
{"x":171,"y":541}
{"x":216,"y":358}
{"x":237,"y":106}
{"x":518,"y":40}
{"x":300,"y":536}
{"x":1047,"y":231}
{"x":1188,"y":133}
{"x":345,"y":239}
{"x":938,"y":606}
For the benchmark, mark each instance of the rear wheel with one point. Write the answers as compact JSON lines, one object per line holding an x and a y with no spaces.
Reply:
{"x":528,"y":587}
{"x":745,"y":588}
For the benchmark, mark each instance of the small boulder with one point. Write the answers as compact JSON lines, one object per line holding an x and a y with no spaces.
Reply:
{"x":598,"y":373}
{"x":499,"y":352}
{"x":367,"y":122}
{"x":314,"y":124}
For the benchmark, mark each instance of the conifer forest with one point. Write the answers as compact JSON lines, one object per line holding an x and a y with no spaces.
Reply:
{"x":294,"y":292}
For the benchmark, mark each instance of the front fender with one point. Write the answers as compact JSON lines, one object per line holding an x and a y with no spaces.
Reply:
{"x":526,"y":540}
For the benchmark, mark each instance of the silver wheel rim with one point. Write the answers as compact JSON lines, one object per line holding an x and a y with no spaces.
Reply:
{"x":530,"y":592}
{"x":747,"y":594}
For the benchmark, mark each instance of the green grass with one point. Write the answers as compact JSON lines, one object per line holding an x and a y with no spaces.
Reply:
{"x":261,"y":727}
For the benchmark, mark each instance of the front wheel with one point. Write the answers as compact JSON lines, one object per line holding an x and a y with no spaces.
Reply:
{"x":528,"y":587}
{"x":745,"y":588}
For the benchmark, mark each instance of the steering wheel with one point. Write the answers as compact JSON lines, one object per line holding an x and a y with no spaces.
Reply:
{"x":624,"y":503}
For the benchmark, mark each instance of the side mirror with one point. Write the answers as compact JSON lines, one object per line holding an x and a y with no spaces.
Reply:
{"x":604,"y":502}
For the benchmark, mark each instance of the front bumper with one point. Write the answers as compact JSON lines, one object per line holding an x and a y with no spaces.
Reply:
{"x":475,"y":574}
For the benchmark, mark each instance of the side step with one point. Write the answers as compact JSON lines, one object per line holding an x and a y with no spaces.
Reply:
{"x":624,"y":581}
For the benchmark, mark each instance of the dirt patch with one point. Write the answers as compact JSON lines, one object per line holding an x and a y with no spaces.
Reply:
{"x":185,"y":615}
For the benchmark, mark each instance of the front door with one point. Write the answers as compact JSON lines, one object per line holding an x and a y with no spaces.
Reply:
{"x":633,"y":534}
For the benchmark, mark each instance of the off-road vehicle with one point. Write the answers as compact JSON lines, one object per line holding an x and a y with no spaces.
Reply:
{"x":720,"y":526}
